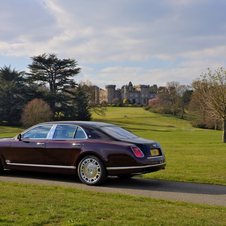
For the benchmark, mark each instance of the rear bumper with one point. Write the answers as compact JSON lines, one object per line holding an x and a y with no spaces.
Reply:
{"x":135,"y":169}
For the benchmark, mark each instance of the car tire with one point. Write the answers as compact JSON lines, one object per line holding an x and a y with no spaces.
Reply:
{"x":91,"y":170}
{"x":125,"y":176}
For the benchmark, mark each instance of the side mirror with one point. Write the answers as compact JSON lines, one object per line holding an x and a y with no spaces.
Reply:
{"x":19,"y":137}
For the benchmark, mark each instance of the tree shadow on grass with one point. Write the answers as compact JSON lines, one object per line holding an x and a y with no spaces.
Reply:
{"x":138,"y":126}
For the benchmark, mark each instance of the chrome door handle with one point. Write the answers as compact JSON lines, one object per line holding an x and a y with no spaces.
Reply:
{"x":76,"y":144}
{"x":40,"y":143}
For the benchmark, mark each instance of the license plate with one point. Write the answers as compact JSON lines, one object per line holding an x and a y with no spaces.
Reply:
{"x":154,"y":152}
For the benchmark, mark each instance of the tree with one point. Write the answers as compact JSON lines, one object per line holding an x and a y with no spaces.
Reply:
{"x":15,"y":92}
{"x":153,"y":88}
{"x":57,"y":73}
{"x":169,"y":97}
{"x":173,"y":99}
{"x":210,"y":89}
{"x":184,"y":98}
{"x":79,"y":105}
{"x":36,"y":111}
{"x":115,"y":100}
{"x":198,"y":116}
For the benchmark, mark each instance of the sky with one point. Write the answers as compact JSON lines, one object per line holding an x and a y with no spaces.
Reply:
{"x":117,"y":41}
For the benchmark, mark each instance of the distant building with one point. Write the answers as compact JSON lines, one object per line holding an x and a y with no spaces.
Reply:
{"x":135,"y":94}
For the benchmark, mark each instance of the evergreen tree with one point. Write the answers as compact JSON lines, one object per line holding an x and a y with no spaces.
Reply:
{"x":15,"y":92}
{"x":78,"y":109}
{"x":57,"y":73}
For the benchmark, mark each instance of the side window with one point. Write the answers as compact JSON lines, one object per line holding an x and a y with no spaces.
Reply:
{"x":37,"y":132}
{"x":64,"y":132}
{"x":80,"y":134}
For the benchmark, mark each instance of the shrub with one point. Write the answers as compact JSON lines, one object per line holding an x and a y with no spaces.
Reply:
{"x":146,"y":107}
{"x":154,"y":101}
{"x":115,"y":101}
{"x":36,"y":111}
{"x":125,"y":101}
{"x":103,"y":103}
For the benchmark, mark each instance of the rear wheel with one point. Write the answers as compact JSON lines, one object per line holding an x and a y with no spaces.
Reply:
{"x":91,"y":170}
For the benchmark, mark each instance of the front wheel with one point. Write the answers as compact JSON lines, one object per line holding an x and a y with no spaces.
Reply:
{"x":91,"y":170}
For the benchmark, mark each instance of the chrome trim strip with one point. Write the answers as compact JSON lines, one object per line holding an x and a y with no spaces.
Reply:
{"x":134,"y":167}
{"x":39,"y":165}
{"x":154,"y":157}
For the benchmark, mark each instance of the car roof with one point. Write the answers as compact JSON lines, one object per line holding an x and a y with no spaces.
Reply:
{"x":81,"y":123}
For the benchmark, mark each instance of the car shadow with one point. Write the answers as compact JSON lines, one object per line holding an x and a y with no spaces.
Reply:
{"x":166,"y":186}
{"x":114,"y":183}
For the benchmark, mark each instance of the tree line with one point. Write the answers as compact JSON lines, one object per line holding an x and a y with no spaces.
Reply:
{"x":47,"y":92}
{"x":204,"y":101}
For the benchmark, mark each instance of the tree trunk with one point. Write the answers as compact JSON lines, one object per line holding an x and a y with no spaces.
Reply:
{"x":224,"y":131}
{"x":182,"y":113}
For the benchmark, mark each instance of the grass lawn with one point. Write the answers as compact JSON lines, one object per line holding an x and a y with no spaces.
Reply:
{"x":193,"y":155}
{"x":32,"y":205}
{"x":8,"y":131}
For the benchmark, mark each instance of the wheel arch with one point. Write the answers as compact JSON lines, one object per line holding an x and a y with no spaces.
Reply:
{"x":82,"y":155}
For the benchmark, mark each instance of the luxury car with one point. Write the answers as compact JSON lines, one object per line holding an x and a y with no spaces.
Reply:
{"x":92,"y":150}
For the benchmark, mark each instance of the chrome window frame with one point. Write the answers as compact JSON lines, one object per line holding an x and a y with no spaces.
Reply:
{"x":33,"y":127}
{"x":52,"y":131}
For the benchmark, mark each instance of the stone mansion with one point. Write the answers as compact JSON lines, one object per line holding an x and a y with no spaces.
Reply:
{"x":135,"y":94}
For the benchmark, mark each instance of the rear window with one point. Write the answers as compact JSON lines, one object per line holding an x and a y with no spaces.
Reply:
{"x":118,"y":132}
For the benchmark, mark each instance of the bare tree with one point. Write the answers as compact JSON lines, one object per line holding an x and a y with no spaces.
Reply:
{"x":169,"y":97}
{"x":211,"y":93}
{"x":36,"y":111}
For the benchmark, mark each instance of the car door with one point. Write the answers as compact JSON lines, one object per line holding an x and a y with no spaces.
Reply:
{"x":29,"y":151}
{"x":64,"y":147}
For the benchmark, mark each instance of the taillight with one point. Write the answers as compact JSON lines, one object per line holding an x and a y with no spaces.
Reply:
{"x":137,"y":152}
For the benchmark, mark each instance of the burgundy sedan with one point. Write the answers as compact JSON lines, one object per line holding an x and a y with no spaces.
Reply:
{"x":92,"y":150}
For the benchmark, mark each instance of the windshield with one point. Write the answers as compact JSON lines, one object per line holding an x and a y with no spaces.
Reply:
{"x":118,"y":132}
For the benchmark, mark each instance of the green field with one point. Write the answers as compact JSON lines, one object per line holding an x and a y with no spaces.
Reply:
{"x":33,"y":205}
{"x":193,"y":155}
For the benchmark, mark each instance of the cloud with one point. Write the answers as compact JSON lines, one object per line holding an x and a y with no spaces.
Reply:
{"x":186,"y":36}
{"x":103,"y":31}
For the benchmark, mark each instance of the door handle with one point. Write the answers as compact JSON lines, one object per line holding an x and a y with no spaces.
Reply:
{"x":40,"y":143}
{"x":77,"y":144}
